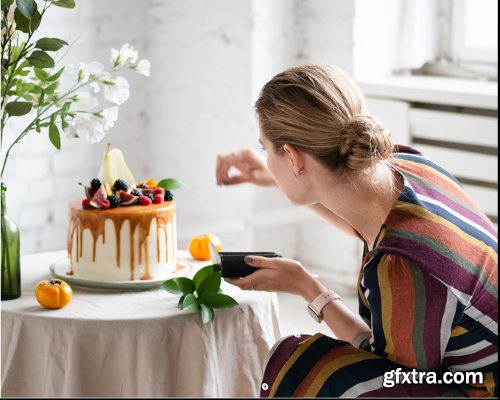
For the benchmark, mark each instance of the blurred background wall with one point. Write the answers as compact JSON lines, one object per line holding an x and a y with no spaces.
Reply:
{"x":209,"y":60}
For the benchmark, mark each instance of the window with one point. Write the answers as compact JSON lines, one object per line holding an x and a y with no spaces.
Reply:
{"x":475,"y":31}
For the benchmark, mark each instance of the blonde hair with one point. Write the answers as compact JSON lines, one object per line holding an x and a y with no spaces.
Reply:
{"x":319,"y":110}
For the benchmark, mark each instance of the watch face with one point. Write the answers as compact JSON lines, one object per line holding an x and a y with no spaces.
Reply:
{"x":313,"y":314}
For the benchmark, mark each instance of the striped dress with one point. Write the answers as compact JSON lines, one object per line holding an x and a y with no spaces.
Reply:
{"x":429,"y":292}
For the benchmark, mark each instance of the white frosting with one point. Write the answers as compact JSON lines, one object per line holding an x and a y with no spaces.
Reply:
{"x":105,"y":265}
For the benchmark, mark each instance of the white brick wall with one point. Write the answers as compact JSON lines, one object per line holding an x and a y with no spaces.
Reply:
{"x":209,"y":60}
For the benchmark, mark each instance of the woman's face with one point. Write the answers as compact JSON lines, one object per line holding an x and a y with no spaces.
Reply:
{"x":281,"y":167}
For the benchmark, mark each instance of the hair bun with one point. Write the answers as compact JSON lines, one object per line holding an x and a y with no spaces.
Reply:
{"x":364,"y":142}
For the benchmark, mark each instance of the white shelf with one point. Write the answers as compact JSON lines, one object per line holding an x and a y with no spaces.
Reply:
{"x":432,"y":89}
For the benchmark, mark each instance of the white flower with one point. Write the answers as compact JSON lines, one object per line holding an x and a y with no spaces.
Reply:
{"x":96,"y":69}
{"x":117,"y":91}
{"x":95,"y":86}
{"x":143,"y":67}
{"x":86,"y":101}
{"x":86,"y":126}
{"x":126,"y":52}
{"x":110,"y":117}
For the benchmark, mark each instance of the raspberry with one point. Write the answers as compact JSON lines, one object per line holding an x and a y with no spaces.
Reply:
{"x":105,"y":204}
{"x":145,"y":201}
{"x":158,"y":198}
{"x":85,"y":203}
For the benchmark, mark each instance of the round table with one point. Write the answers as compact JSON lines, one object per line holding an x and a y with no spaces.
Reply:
{"x":132,"y":344}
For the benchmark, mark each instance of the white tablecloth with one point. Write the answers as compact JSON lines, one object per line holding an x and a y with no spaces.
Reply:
{"x":132,"y":344}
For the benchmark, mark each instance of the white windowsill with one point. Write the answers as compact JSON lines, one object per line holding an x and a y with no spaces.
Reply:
{"x":433,"y":89}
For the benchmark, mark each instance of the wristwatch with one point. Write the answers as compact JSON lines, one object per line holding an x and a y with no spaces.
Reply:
{"x":316,"y":307}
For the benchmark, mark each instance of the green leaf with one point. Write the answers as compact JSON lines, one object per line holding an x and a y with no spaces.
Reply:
{"x":190,"y":303}
{"x":40,"y":59}
{"x":27,"y":97}
{"x":171,"y":286}
{"x":202,"y":274}
{"x":24,"y":88}
{"x":50,"y":89}
{"x":19,"y":70}
{"x":41,"y":74}
{"x":186,"y":285}
{"x":50,"y":44}
{"x":7,"y":3}
{"x":181,"y":301}
{"x":3,"y":25}
{"x":36,"y":90}
{"x":56,"y":76}
{"x":54,"y":136}
{"x":18,"y":108}
{"x":64,"y":3}
{"x":218,"y":300}
{"x":207,"y":314}
{"x":27,"y":7}
{"x":209,"y":285}
{"x":170,"y":184}
{"x":24,"y":24}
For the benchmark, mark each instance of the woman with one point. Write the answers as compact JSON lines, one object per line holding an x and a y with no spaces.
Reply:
{"x":428,"y":281}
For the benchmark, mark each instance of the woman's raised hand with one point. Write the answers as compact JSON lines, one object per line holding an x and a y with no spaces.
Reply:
{"x":279,"y":275}
{"x":250,"y":164}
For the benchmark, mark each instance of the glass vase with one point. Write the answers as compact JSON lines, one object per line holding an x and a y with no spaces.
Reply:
{"x":11,"y":259}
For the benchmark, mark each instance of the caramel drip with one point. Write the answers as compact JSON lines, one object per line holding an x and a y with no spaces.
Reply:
{"x":139,"y":217}
{"x":118,"y":227}
{"x":132,"y":253}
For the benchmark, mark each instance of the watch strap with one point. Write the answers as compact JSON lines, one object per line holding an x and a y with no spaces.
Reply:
{"x":322,"y":300}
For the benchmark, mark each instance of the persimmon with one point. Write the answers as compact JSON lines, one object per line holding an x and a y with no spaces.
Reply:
{"x":198,"y":246}
{"x":54,"y":293}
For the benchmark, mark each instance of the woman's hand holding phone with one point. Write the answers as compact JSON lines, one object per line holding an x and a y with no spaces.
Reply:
{"x":279,"y":275}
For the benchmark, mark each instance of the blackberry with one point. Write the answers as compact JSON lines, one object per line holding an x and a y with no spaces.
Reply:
{"x":120,"y":184}
{"x":95,"y":184}
{"x":150,"y":195}
{"x":114,"y":201}
{"x":136,"y":193}
{"x":168,"y":195}
{"x":142,"y":186}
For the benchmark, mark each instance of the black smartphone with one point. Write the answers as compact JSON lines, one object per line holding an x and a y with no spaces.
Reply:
{"x":233,"y":264}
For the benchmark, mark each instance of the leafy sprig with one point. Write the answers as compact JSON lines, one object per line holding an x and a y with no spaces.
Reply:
{"x":202,"y":293}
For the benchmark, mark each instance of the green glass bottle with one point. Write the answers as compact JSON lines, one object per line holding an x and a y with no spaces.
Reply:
{"x":11,"y":259}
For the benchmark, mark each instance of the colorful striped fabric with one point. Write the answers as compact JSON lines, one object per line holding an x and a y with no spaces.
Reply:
{"x":429,"y":292}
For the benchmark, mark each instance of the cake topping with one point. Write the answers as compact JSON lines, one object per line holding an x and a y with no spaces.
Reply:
{"x":86,"y":203}
{"x":98,"y":197}
{"x":158,"y":198}
{"x":114,"y":201}
{"x":116,"y":184}
{"x":120,"y":184}
{"x":145,"y":201}
{"x":169,"y":196}
{"x":105,"y":204}
{"x":95,"y":184}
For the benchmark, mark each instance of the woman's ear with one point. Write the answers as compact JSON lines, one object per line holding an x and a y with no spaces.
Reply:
{"x":296,"y":158}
